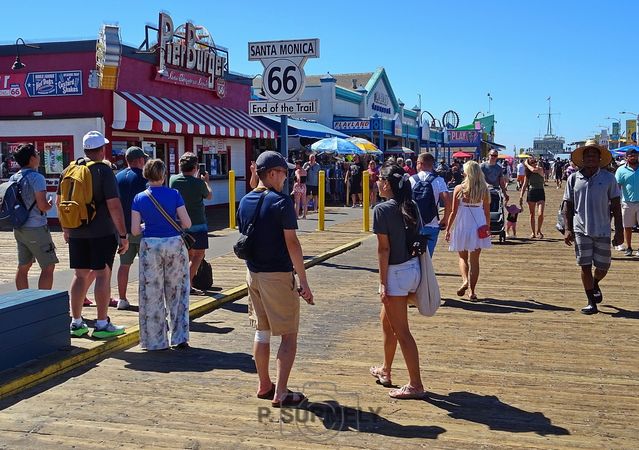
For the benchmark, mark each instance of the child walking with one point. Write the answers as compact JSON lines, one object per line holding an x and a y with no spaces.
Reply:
{"x":511,"y":219}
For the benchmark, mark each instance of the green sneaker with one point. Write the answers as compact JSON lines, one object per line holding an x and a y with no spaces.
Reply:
{"x":79,"y":330}
{"x":108,"y":331}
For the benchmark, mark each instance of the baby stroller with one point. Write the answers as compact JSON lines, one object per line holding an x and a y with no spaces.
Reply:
{"x":497,"y":214}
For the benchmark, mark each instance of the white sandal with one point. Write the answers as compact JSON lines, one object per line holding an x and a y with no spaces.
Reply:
{"x":383,"y":376}
{"x":407,"y":392}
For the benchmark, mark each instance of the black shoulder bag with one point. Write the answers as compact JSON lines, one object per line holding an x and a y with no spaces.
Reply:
{"x":243,"y":247}
{"x":416,"y":242}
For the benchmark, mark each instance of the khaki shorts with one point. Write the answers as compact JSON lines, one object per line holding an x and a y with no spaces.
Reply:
{"x":35,"y":244}
{"x":128,"y":257}
{"x":274,"y":303}
{"x":630,"y":214}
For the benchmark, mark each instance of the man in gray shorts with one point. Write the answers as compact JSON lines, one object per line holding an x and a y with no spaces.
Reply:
{"x":33,"y":237}
{"x":130,"y":183}
{"x":591,"y":195}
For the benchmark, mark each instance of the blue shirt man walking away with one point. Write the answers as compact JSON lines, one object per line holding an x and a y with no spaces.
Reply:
{"x":130,"y":183}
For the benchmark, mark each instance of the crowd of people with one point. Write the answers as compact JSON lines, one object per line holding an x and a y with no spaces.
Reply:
{"x":135,"y":213}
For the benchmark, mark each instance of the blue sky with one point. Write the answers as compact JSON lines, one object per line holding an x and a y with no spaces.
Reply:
{"x":582,"y":54}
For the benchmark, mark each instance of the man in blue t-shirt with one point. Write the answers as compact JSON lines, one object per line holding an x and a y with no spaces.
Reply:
{"x":273,"y":297}
{"x":33,"y":237}
{"x":130,"y":183}
{"x":628,"y":178}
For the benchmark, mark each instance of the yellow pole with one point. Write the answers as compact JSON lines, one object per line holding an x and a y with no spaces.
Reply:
{"x":231,"y":199}
{"x":365,"y":200}
{"x":320,"y":200}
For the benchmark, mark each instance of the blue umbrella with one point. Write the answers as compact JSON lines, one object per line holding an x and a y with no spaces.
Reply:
{"x":338,"y":146}
{"x":626,"y":148}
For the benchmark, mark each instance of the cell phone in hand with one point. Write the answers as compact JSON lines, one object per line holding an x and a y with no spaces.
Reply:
{"x":202,"y":167}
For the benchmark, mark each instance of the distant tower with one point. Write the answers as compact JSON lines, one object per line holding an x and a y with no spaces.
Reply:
{"x":549,"y":114}
{"x":549,"y":130}
{"x":549,"y":144}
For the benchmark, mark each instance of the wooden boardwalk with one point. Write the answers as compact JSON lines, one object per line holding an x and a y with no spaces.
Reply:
{"x":520,"y":369}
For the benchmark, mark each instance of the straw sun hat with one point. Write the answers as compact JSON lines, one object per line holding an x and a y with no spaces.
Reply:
{"x":577,"y":156}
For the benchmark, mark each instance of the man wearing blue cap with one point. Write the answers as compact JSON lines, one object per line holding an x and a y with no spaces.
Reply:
{"x":275,"y":256}
{"x":130,"y":183}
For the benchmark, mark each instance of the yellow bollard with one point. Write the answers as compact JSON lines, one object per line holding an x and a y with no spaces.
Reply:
{"x":321,"y":193}
{"x":231,"y":199}
{"x":365,"y":200}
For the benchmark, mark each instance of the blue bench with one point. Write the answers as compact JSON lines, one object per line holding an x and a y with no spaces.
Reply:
{"x":33,"y":323}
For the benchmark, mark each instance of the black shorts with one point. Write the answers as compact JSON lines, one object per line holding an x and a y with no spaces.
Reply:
{"x":95,"y":253}
{"x":201,"y":240}
{"x":536,"y":195}
{"x":355,"y":188}
{"x":311,"y":190}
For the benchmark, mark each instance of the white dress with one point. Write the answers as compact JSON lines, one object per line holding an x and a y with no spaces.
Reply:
{"x":470,"y":216}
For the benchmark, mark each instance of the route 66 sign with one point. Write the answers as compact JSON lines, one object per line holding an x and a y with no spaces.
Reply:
{"x":220,"y":87}
{"x":283,"y":77}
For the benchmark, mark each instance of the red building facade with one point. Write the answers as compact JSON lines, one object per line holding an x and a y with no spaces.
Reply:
{"x":60,"y":94}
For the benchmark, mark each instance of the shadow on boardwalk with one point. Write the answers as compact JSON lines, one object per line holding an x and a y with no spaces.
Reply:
{"x":619,"y":312}
{"x":348,"y":267}
{"x":338,"y":418}
{"x":495,"y":306}
{"x":191,"y":360}
{"x":492,"y":412}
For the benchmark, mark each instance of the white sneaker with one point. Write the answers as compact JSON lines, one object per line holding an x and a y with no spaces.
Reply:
{"x":123,"y":303}
{"x":620,"y":248}
{"x":637,"y":254}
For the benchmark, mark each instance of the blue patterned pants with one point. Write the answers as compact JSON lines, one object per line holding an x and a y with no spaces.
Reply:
{"x":164,"y":292}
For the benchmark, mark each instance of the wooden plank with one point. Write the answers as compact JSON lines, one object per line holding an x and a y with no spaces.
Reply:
{"x":521,"y":370}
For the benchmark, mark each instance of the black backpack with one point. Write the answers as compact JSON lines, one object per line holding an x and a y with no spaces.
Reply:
{"x":424,"y":196}
{"x":203,"y":279}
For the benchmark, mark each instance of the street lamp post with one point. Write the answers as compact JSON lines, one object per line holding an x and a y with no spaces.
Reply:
{"x":420,"y":121}
{"x":636,"y":125}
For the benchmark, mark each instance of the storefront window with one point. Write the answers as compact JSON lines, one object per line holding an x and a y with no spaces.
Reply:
{"x":215,"y":158}
{"x":118,"y":152}
{"x":261,"y":145}
{"x":55,"y":155}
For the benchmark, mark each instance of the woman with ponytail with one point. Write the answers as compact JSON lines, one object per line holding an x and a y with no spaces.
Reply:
{"x":471,"y":211}
{"x":394,"y":222}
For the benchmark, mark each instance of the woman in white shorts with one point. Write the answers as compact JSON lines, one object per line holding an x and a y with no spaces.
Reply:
{"x":399,"y":275}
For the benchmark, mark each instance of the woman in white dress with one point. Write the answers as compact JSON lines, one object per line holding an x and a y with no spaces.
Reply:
{"x":471,"y":212}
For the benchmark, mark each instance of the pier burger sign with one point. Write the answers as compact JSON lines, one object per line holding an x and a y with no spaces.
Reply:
{"x":188,"y":56}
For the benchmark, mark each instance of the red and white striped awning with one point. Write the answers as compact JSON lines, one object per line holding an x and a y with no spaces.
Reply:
{"x":137,"y":112}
